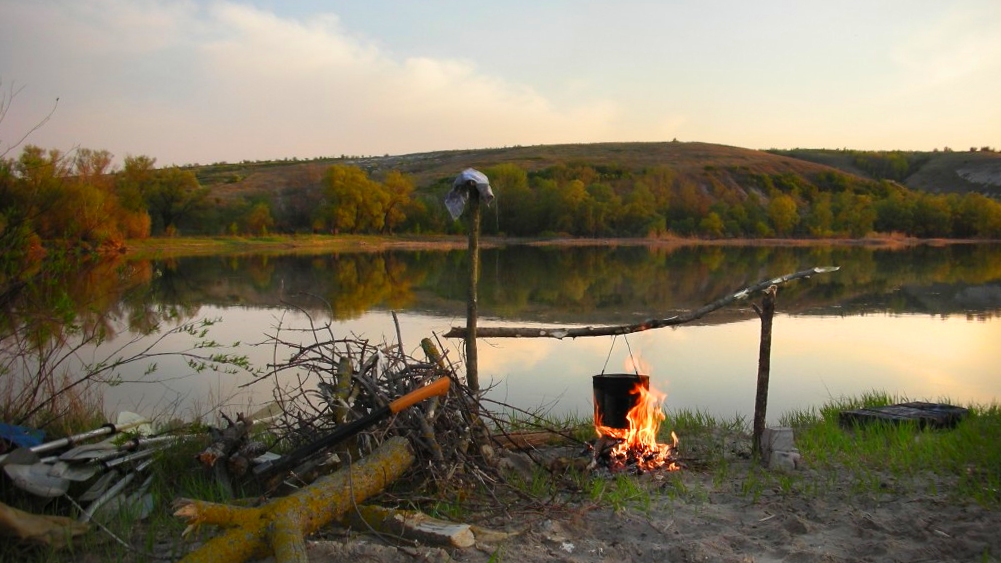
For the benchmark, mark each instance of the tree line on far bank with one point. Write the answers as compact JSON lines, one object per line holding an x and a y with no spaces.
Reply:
{"x":81,"y":198}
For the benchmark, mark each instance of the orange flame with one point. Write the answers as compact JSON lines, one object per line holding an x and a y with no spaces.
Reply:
{"x":639,"y":441}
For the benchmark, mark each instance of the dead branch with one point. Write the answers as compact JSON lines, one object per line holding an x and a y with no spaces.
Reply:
{"x":560,"y":333}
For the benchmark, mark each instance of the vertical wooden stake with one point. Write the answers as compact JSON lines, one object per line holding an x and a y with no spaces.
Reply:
{"x":766,"y":312}
{"x":472,"y":369}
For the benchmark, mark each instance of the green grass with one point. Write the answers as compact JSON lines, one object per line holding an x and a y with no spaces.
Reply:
{"x":965,"y":460}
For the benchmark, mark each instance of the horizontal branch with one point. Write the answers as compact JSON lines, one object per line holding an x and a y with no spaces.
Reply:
{"x":560,"y":333}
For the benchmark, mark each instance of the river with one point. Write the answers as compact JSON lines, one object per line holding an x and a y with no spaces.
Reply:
{"x":920,"y":322}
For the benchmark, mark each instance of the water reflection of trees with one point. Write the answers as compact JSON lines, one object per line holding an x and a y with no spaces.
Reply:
{"x":590,"y":284}
{"x":544,"y":283}
{"x":595,"y":284}
{"x":69,"y":306}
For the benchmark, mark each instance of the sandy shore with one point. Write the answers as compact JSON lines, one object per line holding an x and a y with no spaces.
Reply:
{"x":697,"y":515}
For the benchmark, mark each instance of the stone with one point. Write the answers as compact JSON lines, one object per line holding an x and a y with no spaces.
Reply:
{"x":778,"y":449}
{"x":784,"y":461}
{"x":777,"y":440}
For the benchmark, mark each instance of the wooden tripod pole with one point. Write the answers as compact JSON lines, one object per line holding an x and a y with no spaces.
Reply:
{"x":472,"y":369}
{"x":766,"y":312}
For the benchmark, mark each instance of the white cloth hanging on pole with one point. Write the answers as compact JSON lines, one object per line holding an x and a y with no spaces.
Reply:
{"x":469,"y":178}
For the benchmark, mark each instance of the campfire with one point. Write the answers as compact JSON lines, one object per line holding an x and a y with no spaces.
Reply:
{"x":627,"y":417}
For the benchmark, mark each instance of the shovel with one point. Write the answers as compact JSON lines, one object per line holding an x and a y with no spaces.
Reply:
{"x":126,"y":420}
{"x":38,"y":479}
{"x":101,"y":485}
{"x":269,"y":468}
{"x":106,"y":450}
{"x":53,"y":480}
{"x":112,"y":492}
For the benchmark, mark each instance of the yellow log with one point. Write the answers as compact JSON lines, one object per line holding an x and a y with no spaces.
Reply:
{"x":280,"y":526}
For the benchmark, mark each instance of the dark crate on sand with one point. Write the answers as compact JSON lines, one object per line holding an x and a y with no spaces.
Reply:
{"x":935,"y":415}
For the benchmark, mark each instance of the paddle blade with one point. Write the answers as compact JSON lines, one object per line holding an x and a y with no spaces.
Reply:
{"x":131,"y":421}
{"x":37,"y":480}
{"x":74,"y":472}
{"x":99,"y":487}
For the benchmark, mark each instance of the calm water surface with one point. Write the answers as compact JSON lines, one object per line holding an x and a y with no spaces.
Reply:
{"x":922,"y":322}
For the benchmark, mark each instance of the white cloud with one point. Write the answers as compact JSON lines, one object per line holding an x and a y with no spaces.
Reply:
{"x":202,"y":81}
{"x":228,"y":82}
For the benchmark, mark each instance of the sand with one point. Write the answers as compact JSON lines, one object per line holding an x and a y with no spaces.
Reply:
{"x":707,"y":515}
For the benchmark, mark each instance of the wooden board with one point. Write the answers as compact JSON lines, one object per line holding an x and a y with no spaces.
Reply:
{"x":935,"y":415}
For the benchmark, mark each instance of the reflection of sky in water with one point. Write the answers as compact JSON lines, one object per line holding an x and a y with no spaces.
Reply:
{"x":709,"y":368}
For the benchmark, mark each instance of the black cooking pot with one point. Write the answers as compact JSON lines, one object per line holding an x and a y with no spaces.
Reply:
{"x":613,"y":398}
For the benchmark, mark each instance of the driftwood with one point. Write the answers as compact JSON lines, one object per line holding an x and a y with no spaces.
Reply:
{"x":53,"y":531}
{"x":417,"y":526}
{"x":412,"y":525}
{"x":280,"y":526}
{"x":560,"y":333}
{"x":226,"y":441}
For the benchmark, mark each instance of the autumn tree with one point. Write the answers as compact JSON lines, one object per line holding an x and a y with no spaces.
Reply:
{"x":259,"y":219}
{"x":711,"y":225}
{"x":639,"y":212}
{"x":88,"y":207}
{"x":172,"y":197}
{"x":601,"y":210}
{"x":138,"y":174}
{"x":977,"y":216}
{"x":355,"y":203}
{"x":820,"y":219}
{"x":895,"y":212}
{"x":399,"y":188}
{"x":38,"y":186}
{"x":932,"y":216}
{"x":784,"y":214}
{"x":854,"y":214}
{"x":514,"y":208}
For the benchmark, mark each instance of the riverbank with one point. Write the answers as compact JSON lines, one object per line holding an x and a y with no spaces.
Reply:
{"x":859,"y":495}
{"x":178,"y":247}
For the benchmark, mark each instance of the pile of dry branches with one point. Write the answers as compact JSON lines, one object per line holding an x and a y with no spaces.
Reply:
{"x":330,"y":381}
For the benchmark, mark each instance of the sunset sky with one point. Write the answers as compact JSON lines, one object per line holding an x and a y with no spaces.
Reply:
{"x":207,"y":81}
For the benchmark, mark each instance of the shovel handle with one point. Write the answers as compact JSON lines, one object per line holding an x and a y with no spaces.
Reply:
{"x":436,"y":388}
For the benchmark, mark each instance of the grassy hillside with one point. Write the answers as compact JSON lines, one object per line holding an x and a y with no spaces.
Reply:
{"x":933,"y":172}
{"x":620,"y":190}
{"x":938,"y":172}
{"x":247,"y":179}
{"x":959,"y":172}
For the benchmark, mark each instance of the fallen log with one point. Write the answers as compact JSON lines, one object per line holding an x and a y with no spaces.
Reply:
{"x":279,"y":527}
{"x":561,"y":333}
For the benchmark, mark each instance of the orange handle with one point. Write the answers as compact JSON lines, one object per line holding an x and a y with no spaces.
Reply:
{"x":437,"y":387}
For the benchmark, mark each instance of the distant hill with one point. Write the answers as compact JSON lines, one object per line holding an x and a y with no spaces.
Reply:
{"x":937,"y":172}
{"x":934,"y":172}
{"x":621,"y":190}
